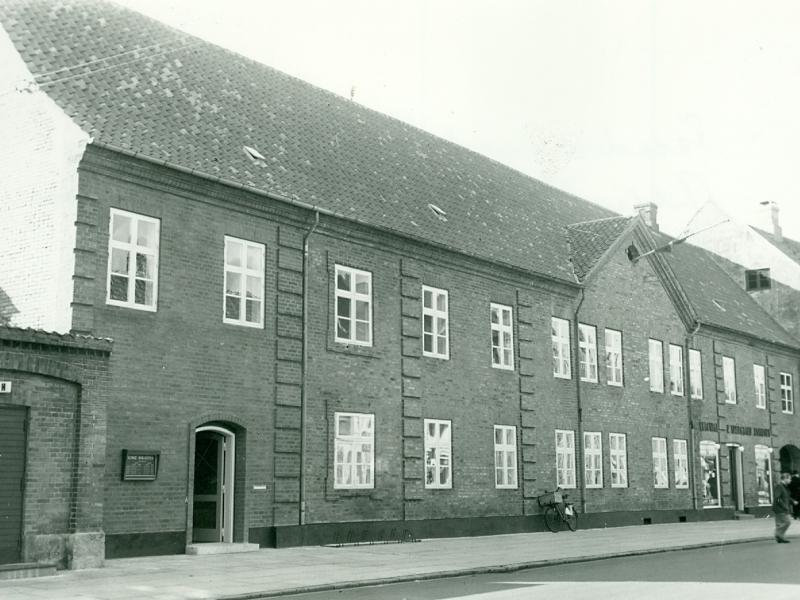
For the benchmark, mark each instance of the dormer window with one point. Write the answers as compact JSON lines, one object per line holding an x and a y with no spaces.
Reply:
{"x":757,"y":279}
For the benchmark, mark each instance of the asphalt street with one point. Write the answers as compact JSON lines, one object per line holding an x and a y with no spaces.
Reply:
{"x":753,"y":570}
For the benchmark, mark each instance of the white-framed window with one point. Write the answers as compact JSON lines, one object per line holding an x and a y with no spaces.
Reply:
{"x":243,"y":302}
{"x":729,"y":379}
{"x":587,"y":352}
{"x":593,"y":458}
{"x":787,"y":393}
{"x":709,"y":473}
{"x":675,"y":370}
{"x":132,"y":260}
{"x":660,"y":465}
{"x":505,"y":456}
{"x":760,"y":382}
{"x":680,"y":464}
{"x":618,"y":459}
{"x":435,"y":323}
{"x":354,"y":450}
{"x":502,"y":323}
{"x":438,"y":454}
{"x":764,"y":474}
{"x":695,"y":375}
{"x":559,"y":332}
{"x":656,"y":360}
{"x":565,"y":458}
{"x":613,"y":339}
{"x":353,"y":306}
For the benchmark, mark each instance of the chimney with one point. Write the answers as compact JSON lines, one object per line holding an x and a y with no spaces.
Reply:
{"x":649,"y":213}
{"x":770,"y":218}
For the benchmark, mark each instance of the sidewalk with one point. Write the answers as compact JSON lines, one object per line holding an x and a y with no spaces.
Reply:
{"x":276,"y":572}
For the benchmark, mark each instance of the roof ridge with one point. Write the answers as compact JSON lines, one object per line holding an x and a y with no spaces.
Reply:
{"x":612,"y":218}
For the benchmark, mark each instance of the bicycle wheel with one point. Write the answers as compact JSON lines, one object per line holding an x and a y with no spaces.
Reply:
{"x":571,"y":520}
{"x":552,"y":519}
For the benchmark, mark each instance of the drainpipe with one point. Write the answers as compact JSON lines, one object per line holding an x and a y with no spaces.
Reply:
{"x":303,"y":373}
{"x":687,"y":385}
{"x":579,"y":466}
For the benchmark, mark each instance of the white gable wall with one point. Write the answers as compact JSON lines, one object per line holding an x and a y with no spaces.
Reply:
{"x":39,"y":156}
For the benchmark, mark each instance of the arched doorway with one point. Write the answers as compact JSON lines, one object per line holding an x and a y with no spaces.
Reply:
{"x":790,"y":458}
{"x":212,"y":507}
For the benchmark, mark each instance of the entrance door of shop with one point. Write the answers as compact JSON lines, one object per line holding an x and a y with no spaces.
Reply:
{"x":12,"y":481}
{"x":737,"y":488}
{"x":212,"y":515}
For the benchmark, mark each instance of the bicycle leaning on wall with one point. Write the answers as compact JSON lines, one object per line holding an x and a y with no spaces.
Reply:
{"x":557,"y":511}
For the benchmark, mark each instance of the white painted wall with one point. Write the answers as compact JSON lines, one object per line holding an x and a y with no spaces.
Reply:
{"x":40,"y":148}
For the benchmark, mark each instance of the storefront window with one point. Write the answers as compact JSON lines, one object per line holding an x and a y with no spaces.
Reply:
{"x":763,"y":475}
{"x":709,"y":468}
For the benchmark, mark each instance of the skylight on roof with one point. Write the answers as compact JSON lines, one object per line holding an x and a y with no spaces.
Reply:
{"x":253,"y":153}
{"x":718,"y":304}
{"x":440,"y":214}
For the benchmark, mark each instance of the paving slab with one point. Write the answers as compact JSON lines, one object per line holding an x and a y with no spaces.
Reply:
{"x":275,"y":572}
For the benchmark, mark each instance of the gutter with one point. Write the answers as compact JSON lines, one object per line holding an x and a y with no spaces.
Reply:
{"x":687,"y":386}
{"x":579,"y":458}
{"x":304,"y":375}
{"x":327,"y":212}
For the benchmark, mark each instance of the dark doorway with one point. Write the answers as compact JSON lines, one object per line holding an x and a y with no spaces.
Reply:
{"x":790,"y":458}
{"x":12,"y":481}
{"x":212,"y":509}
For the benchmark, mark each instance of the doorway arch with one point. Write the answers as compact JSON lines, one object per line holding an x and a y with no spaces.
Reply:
{"x":790,"y":458}
{"x":213,"y":490}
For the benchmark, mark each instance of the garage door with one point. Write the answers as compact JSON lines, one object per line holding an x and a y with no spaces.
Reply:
{"x":12,"y":477}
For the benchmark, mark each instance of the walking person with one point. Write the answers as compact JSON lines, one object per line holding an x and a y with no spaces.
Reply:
{"x":782,"y":506}
{"x":794,"y":493}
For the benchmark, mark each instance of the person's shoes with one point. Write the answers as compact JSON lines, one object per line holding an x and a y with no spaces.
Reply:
{"x":782,"y":541}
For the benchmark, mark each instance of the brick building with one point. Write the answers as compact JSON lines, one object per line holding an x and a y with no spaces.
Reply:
{"x":329,"y":325}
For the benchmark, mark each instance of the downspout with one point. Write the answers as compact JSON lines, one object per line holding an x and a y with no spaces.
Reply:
{"x":687,"y":385}
{"x":303,"y":373}
{"x":579,"y":466}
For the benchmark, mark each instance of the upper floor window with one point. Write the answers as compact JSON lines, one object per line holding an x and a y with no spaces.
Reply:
{"x":132,"y":260}
{"x":438,"y":454}
{"x":729,"y":379}
{"x":587,"y":352}
{"x":593,"y":458}
{"x":613,"y":357}
{"x":244,"y":283}
{"x":695,"y":374}
{"x":565,"y":458}
{"x":760,"y":386}
{"x":502,"y":336}
{"x":618,"y":459}
{"x":660,"y":466}
{"x":757,"y":279}
{"x":680,"y":463}
{"x":559,"y":332}
{"x":656,"y":360}
{"x":353,"y":306}
{"x":505,"y":456}
{"x":354,"y":450}
{"x":434,"y":323}
{"x":675,"y":370}
{"x":787,"y":393}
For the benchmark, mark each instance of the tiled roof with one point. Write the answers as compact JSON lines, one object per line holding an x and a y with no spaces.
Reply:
{"x":716,"y":298}
{"x":786,"y":245}
{"x":49,"y":338}
{"x":196,"y":105}
{"x":589,"y":240}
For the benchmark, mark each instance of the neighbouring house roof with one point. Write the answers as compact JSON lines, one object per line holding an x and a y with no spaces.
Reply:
{"x":27,"y":335}
{"x":786,"y":245}
{"x":589,"y":240}
{"x":171,"y":97}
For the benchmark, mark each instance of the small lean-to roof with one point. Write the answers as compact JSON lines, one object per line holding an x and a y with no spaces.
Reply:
{"x":133,"y":83}
{"x":786,"y":245}
{"x":589,"y":240}
{"x":27,"y":335}
{"x":717,"y":299}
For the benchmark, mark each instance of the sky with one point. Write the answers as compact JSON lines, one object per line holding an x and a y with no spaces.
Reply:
{"x":620,"y":102}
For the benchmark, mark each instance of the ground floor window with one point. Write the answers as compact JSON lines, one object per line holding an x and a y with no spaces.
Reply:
{"x":660,"y":466}
{"x":680,"y":464}
{"x":709,"y":469}
{"x":565,"y":458}
{"x":505,"y":456}
{"x":593,"y":458}
{"x":354,"y":450}
{"x":438,"y":454}
{"x":618,"y":458}
{"x":764,"y":474}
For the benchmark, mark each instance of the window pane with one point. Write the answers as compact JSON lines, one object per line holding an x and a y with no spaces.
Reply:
{"x":253,"y":314}
{"x":362,"y":310}
{"x":146,"y":234}
{"x":441,"y":302}
{"x":255,"y":258}
{"x":143,"y":292}
{"x":234,"y":256}
{"x":121,"y":229}
{"x":119,"y":288}
{"x":343,"y":281}
{"x":120,"y":261}
{"x":232,"y":306}
{"x":144,"y":266}
{"x":343,"y":328}
{"x":427,"y":299}
{"x":362,"y":283}
{"x":254,"y":286}
{"x":343,"y":307}
{"x":362,"y":331}
{"x":233,"y":283}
